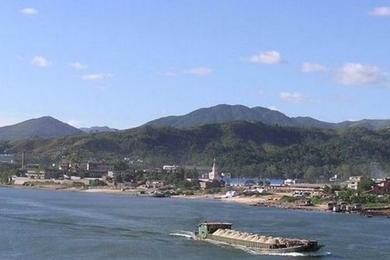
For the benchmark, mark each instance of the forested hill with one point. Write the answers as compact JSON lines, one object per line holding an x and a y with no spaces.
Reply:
{"x":228,"y":113}
{"x":43,"y":127}
{"x":242,"y":148}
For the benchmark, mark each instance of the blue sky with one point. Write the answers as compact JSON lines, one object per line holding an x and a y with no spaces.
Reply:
{"x":122,"y":63}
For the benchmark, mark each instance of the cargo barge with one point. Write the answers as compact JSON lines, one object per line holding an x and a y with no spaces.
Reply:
{"x":222,"y":232}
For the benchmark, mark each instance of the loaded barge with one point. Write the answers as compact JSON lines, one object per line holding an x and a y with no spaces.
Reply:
{"x":221,"y":232}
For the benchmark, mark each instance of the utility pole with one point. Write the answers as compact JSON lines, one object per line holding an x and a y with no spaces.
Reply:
{"x":23,"y":158}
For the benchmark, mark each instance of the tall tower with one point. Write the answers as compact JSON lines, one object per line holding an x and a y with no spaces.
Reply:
{"x":213,"y":175}
{"x":23,"y":158}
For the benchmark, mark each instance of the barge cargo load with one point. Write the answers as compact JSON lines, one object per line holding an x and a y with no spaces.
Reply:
{"x":221,"y":232}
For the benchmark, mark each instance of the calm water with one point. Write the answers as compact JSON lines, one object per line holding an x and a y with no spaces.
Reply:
{"x":62,"y":225}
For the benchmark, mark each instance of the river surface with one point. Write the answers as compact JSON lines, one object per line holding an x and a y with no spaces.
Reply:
{"x":37,"y":224}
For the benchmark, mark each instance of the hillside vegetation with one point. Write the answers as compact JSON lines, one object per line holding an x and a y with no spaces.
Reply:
{"x":229,"y":113}
{"x":242,"y":148}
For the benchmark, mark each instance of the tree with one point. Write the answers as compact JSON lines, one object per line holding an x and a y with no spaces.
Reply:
{"x":311,"y":174}
{"x":365,"y":184}
{"x":120,"y":165}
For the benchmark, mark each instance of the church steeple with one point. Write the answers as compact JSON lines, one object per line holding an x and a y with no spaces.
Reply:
{"x":213,"y":175}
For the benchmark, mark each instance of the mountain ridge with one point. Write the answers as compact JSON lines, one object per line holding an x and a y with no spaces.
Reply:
{"x":49,"y":127}
{"x":224,"y":113}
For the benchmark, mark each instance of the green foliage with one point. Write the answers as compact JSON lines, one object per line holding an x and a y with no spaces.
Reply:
{"x":351,"y":196}
{"x":215,"y":190}
{"x":288,"y":199}
{"x":241,"y":148}
{"x":120,"y":165}
{"x":316,"y":200}
{"x":229,"y":113}
{"x":366,"y":184}
{"x":94,"y":183}
{"x":177,"y":179}
{"x":6,"y":171}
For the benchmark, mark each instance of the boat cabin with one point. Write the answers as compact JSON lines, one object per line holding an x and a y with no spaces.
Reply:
{"x":206,"y":228}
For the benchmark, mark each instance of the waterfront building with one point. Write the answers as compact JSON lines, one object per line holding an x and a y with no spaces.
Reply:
{"x":354,"y":182}
{"x":64,"y":165}
{"x":382,"y":186}
{"x":33,"y":171}
{"x":92,"y":169}
{"x":289,"y":181}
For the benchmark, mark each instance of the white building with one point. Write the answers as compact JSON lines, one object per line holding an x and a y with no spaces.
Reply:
{"x":289,"y":182}
{"x":170,"y":168}
{"x":354,"y":182}
{"x":213,"y":175}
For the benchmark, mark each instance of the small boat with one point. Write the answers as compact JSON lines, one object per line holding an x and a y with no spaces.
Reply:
{"x":221,"y":232}
{"x":157,"y":194}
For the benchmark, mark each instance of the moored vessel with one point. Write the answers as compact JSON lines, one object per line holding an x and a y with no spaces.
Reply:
{"x":222,"y":232}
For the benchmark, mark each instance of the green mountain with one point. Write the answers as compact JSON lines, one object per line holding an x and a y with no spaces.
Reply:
{"x":222,"y":114}
{"x":229,"y":113}
{"x":243,"y":148}
{"x":44,"y":127}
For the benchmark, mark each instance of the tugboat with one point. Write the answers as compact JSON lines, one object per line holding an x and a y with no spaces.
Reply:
{"x":222,"y":232}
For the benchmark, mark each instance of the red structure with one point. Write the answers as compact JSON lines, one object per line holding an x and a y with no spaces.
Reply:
{"x":382,"y":186}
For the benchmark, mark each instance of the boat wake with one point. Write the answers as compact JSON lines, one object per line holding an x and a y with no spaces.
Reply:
{"x":183,"y":233}
{"x":292,"y":254}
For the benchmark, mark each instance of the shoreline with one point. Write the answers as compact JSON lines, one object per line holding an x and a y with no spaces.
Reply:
{"x":253,"y":201}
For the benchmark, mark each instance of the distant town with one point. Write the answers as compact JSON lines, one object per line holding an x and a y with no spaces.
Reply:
{"x":357,"y":194}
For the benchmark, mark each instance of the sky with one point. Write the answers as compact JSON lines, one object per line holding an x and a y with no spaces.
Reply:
{"x":123,"y":63}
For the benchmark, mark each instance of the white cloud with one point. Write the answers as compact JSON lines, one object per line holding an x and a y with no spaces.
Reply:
{"x":29,"y":11}
{"x":381,"y":11}
{"x":78,"y":66}
{"x":293,"y":97}
{"x":40,"y":61}
{"x":308,"y":67}
{"x":200,"y":71}
{"x":267,"y":57}
{"x":356,"y":74}
{"x":196,"y":71}
{"x":95,"y":77}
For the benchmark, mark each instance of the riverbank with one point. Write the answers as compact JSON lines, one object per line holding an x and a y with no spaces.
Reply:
{"x":62,"y":188}
{"x":273,"y":200}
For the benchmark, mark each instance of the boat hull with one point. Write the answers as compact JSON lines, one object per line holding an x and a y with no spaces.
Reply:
{"x":221,"y":233}
{"x":310,"y":247}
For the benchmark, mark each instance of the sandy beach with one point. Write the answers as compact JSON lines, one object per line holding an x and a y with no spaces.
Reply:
{"x":258,"y":201}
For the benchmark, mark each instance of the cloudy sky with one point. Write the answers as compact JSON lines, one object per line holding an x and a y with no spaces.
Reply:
{"x":122,"y":63}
